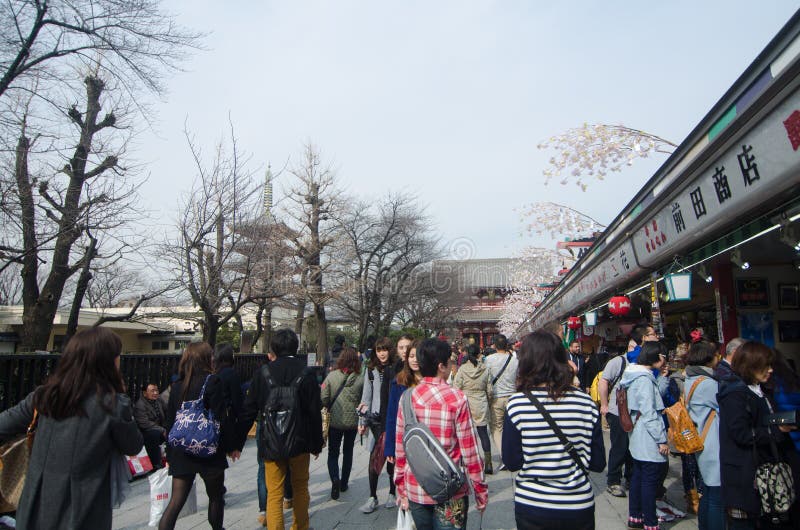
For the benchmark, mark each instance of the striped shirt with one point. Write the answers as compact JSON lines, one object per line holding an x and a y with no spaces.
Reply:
{"x":549,"y":478}
{"x":446,"y":411}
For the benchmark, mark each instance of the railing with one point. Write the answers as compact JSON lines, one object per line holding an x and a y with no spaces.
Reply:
{"x":21,"y":373}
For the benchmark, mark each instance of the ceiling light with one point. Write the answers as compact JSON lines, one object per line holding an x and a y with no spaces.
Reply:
{"x":703,"y":273}
{"x":790,"y":235}
{"x":736,"y":259}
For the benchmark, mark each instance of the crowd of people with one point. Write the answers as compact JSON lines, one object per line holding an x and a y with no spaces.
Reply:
{"x":527,"y":406}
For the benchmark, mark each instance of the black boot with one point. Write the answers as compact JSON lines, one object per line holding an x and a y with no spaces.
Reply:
{"x":335,"y":490}
{"x":487,"y":463}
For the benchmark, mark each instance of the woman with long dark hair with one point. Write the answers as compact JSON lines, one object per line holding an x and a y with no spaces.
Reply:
{"x":472,"y":378}
{"x":408,"y":377}
{"x":84,"y":421}
{"x":195,"y":371}
{"x":374,"y":400}
{"x":553,"y":489}
{"x":341,"y":393}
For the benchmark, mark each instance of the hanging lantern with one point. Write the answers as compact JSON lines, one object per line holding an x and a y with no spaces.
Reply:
{"x":574,"y":323}
{"x":619,"y":305}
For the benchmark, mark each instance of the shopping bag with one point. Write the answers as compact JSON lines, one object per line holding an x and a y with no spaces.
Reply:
{"x":160,"y":491}
{"x":404,"y":520}
{"x":377,"y":458}
{"x":140,"y":464}
{"x":160,"y":494}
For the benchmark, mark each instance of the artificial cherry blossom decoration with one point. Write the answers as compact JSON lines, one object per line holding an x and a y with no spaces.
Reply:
{"x":595,"y":149}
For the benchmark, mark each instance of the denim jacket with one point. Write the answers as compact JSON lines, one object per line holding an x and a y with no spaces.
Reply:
{"x":646,"y":407}
{"x":704,"y":400}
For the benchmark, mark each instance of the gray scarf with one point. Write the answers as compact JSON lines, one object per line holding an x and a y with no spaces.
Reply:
{"x":694,"y":371}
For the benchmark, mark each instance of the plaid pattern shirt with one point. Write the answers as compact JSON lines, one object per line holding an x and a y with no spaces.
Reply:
{"x":446,"y":411}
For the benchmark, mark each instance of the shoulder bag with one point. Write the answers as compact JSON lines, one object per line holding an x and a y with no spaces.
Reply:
{"x":14,"y":457}
{"x":503,"y":369}
{"x":571,"y":451}
{"x":326,"y":411}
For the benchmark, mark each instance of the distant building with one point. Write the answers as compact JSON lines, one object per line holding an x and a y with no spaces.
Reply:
{"x":475,"y":290}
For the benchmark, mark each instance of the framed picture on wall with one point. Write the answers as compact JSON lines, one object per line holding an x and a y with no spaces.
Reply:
{"x":788,"y":296}
{"x":752,"y":292}
{"x":789,"y":330}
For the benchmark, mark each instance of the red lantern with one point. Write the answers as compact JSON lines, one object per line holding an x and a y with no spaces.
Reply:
{"x":574,"y":323}
{"x":619,"y":305}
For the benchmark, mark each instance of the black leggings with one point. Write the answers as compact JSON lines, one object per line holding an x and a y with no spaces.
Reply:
{"x":373,"y":476}
{"x":182,"y":485}
{"x":483,"y":434}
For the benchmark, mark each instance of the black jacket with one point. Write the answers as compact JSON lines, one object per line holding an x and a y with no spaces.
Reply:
{"x":283,"y":370}
{"x":181,"y":463}
{"x":724,"y":372}
{"x":149,"y":414}
{"x":232,"y":390}
{"x":742,"y":417}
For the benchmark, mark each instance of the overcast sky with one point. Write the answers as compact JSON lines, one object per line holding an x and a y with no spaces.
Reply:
{"x":448,"y":99}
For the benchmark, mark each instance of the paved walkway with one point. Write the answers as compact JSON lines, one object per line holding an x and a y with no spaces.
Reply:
{"x":241,"y":507}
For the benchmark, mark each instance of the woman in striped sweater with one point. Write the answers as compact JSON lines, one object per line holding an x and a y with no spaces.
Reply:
{"x":553,"y":489}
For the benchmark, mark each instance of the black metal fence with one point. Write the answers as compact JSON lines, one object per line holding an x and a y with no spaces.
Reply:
{"x":21,"y":373}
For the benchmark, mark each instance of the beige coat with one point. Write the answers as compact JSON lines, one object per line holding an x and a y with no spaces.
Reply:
{"x":474,"y":382}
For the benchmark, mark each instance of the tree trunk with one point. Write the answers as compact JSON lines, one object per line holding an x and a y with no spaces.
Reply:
{"x":80,"y":290}
{"x":322,"y":333}
{"x":268,"y":326}
{"x":300,"y":314}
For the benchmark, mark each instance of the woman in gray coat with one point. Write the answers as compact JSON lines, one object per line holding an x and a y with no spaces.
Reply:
{"x":84,"y":421}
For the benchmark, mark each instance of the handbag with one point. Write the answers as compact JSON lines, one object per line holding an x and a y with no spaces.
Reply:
{"x":195,"y":430}
{"x":15,"y":456}
{"x":326,"y":411}
{"x":774,"y":483}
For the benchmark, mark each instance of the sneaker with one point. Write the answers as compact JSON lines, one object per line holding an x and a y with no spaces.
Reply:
{"x":635,"y":524}
{"x":616,"y":490}
{"x":335,"y":490}
{"x":502,"y":467}
{"x":391,"y":502}
{"x":287,"y":504}
{"x":370,"y":506}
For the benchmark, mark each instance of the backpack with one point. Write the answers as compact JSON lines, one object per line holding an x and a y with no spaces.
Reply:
{"x":433,"y":468}
{"x":594,"y":392}
{"x":682,"y":431}
{"x":195,"y":430}
{"x":282,"y":433}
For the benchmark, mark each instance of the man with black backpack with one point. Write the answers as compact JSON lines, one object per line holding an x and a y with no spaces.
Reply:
{"x":285,"y":398}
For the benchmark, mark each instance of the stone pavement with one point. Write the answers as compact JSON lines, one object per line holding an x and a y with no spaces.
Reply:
{"x":241,"y":507}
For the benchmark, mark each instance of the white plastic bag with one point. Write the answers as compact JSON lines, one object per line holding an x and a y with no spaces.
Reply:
{"x":404,"y":520}
{"x":160,"y":493}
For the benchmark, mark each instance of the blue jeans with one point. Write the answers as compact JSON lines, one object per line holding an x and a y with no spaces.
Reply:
{"x":261,"y":482}
{"x":335,"y":438}
{"x":434,"y":516}
{"x":644,"y":486}
{"x":711,"y":515}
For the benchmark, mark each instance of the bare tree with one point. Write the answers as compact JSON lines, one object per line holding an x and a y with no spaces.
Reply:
{"x":386,"y":242}
{"x":213,"y":253}
{"x":311,"y":204}
{"x":133,"y":41}
{"x":55,"y":207}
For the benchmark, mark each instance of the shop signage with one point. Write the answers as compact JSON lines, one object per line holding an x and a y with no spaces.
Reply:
{"x":752,"y":292}
{"x":759,"y":165}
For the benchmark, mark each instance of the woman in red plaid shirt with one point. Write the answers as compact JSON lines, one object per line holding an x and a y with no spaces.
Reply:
{"x":446,"y":411}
